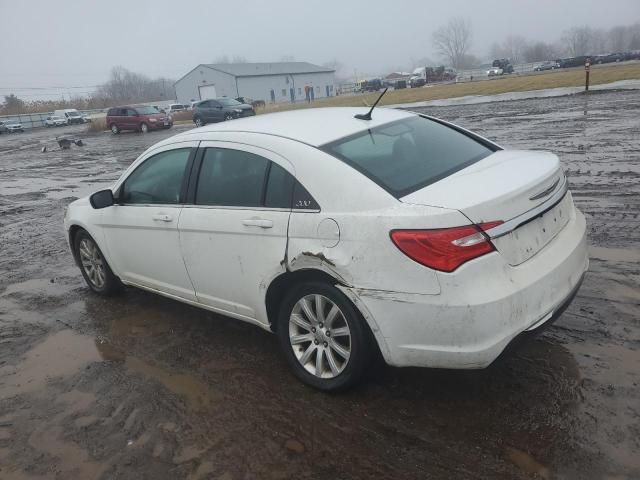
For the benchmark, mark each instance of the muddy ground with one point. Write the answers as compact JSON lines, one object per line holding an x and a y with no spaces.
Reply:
{"x":141,"y":387}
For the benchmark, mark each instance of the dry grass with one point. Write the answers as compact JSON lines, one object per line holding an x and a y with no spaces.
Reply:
{"x":97,"y":124}
{"x":568,"y":78}
{"x":182,"y":116}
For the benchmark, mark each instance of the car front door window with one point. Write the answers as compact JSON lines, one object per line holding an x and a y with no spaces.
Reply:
{"x":158,"y":180}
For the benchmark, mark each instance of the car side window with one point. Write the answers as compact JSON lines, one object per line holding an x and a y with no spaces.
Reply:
{"x":214,"y":104}
{"x":279,"y":192}
{"x":284,"y":191}
{"x":131,"y":112}
{"x":158,"y":179}
{"x":231,"y":178}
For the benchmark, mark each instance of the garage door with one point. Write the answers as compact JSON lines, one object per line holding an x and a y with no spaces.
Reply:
{"x":207,"y":92}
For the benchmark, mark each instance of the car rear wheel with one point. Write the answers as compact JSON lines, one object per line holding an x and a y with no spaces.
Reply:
{"x":323,"y":337}
{"x":94,"y":266}
{"x":144,"y":128}
{"x":115,"y":129}
{"x":199,"y":122}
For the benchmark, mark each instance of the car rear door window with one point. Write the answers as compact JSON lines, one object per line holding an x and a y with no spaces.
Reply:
{"x":406,"y":155}
{"x":279,"y":191}
{"x":158,"y":180}
{"x":231,"y":178}
{"x":284,"y":191}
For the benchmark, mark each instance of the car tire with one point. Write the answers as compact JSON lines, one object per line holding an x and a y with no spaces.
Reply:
{"x":114,"y":129}
{"x":94,"y":266}
{"x":144,"y":128}
{"x":228,"y":117}
{"x":302,"y":339}
{"x":199,"y":122}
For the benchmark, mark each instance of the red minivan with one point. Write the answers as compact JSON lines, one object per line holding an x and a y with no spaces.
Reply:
{"x":140,"y":119}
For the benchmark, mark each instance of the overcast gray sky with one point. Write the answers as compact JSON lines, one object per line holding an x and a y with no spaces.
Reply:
{"x":75,"y":43}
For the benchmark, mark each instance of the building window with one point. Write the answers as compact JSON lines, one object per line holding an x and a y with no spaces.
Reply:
{"x":299,"y":91}
{"x":284,"y":92}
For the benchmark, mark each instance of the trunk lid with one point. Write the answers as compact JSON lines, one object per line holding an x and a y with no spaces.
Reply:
{"x":501,"y":187}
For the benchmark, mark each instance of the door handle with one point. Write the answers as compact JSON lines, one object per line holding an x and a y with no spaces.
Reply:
{"x":258,"y":222}
{"x":162,"y":217}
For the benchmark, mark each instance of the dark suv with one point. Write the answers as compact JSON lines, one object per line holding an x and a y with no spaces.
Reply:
{"x":219,"y":110}
{"x":140,"y":119}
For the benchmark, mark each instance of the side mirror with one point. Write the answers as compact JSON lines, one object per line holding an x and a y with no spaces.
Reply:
{"x":101,"y":199}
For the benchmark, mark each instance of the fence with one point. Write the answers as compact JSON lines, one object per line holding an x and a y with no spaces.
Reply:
{"x":35,"y":120}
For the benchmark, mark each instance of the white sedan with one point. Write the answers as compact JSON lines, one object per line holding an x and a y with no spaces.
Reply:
{"x":55,"y":121}
{"x":402,"y":235}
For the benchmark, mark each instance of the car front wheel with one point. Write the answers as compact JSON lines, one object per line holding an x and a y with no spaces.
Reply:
{"x":115,"y":129}
{"x":199,"y":122}
{"x":94,"y":266}
{"x":323,"y":337}
{"x":228,"y":117}
{"x":144,"y":128}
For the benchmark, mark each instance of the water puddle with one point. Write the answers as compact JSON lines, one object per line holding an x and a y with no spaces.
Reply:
{"x":527,"y":463}
{"x":60,"y":354}
{"x":66,"y":352}
{"x":629,"y":255}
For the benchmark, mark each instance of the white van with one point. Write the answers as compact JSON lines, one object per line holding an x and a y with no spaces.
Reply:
{"x":71,"y":115}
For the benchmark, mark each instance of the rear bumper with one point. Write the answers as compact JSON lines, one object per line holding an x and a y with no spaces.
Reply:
{"x":482,"y":307}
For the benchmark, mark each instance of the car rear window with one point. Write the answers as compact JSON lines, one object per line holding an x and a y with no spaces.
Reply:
{"x":407,"y":155}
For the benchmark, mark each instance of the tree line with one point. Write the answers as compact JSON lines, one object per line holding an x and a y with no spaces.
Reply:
{"x":123,"y":86}
{"x":453,"y":42}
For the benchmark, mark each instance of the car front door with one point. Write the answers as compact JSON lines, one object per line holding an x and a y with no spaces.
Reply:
{"x":141,"y":229}
{"x":234,"y":235}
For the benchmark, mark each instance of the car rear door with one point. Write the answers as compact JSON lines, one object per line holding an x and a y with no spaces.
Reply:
{"x":141,"y":229}
{"x":234,"y":234}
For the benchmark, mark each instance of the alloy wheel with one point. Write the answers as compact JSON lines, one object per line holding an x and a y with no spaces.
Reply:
{"x":319,"y":336}
{"x":92,"y":262}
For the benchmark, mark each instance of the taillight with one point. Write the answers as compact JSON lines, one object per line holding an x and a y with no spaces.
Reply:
{"x":445,"y":249}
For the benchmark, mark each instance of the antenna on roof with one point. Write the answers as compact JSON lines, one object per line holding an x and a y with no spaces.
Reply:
{"x":367,"y":116}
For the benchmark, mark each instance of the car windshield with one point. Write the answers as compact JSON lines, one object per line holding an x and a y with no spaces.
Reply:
{"x":406,"y":155}
{"x":228,"y":102}
{"x":73,"y":114}
{"x":11,"y":122}
{"x":147,"y":110}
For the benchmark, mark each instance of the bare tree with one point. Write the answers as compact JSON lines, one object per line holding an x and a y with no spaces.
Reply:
{"x":221,"y":59}
{"x":453,"y":40}
{"x":598,"y":41}
{"x":619,"y":38}
{"x":634,"y":37}
{"x":125,"y":86}
{"x":539,"y":52}
{"x":577,"y":40}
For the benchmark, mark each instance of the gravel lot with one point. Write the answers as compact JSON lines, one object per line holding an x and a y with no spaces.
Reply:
{"x":139,"y":386}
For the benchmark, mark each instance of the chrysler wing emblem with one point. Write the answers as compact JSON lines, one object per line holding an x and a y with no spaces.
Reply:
{"x":546,"y":191}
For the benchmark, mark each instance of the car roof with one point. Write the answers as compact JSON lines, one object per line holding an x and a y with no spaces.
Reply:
{"x":313,"y":126}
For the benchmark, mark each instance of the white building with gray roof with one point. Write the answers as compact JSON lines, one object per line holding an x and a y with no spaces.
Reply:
{"x":271,"y":82}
